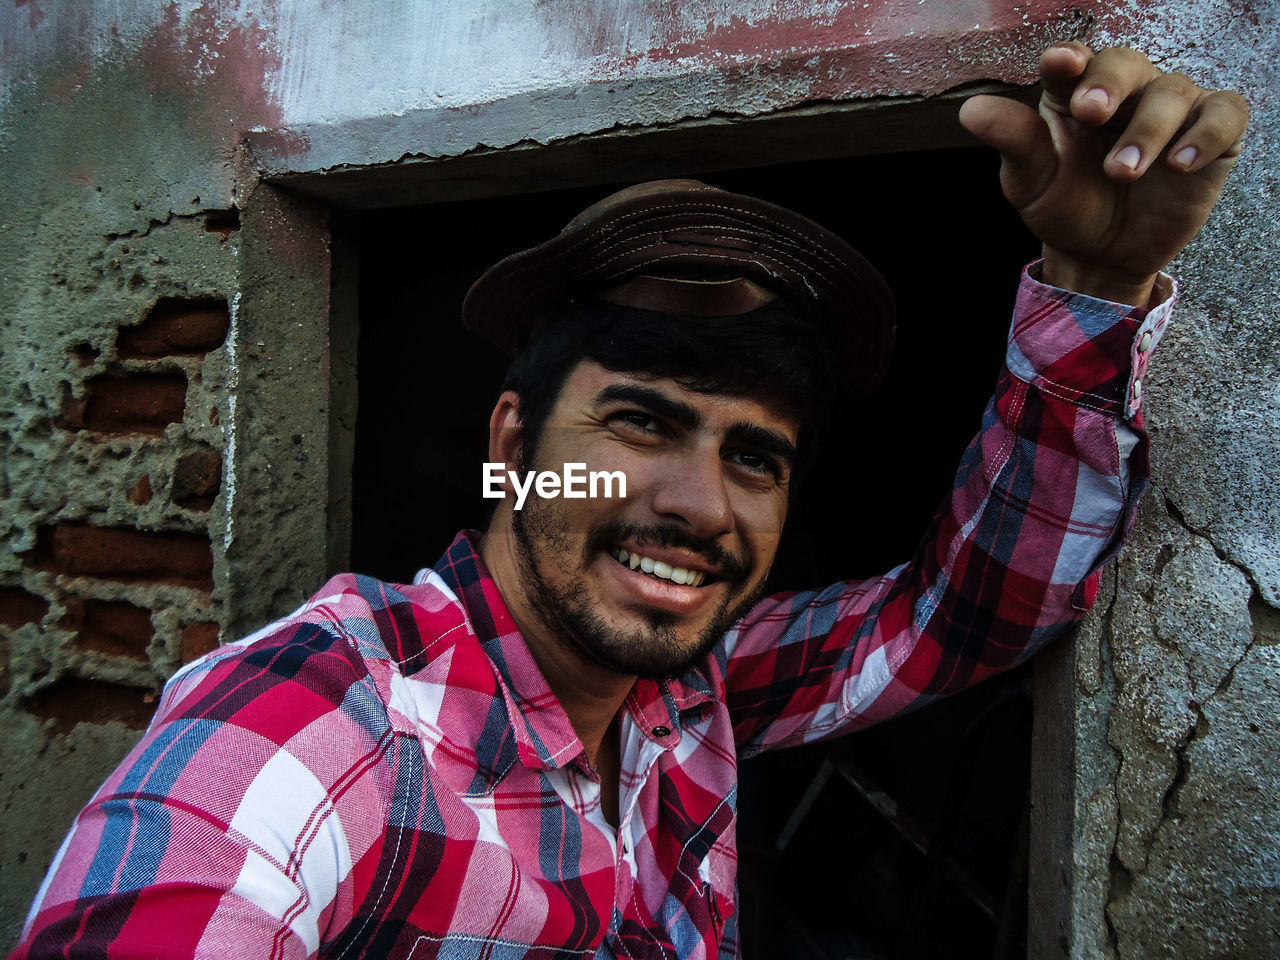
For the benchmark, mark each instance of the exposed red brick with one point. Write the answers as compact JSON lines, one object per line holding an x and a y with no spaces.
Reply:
{"x":197,"y":640}
{"x":140,"y":493}
{"x":134,"y":403}
{"x":175,"y":327}
{"x":196,"y":479}
{"x":84,"y":353}
{"x":17,"y":607}
{"x":115,"y":627}
{"x":225,"y":222}
{"x":72,"y":410}
{"x":73,"y":700}
{"x":123,"y":553}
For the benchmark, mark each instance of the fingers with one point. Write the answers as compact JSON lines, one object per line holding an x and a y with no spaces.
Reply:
{"x":1188,"y":126}
{"x":1215,"y":133}
{"x":1061,"y":67}
{"x":1108,"y":84}
{"x":1021,"y":137}
{"x":1163,"y":109}
{"x":1156,"y":114}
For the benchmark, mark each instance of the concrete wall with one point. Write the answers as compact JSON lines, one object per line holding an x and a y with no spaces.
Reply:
{"x":175,"y":367}
{"x":1167,"y":701}
{"x":164,"y":413}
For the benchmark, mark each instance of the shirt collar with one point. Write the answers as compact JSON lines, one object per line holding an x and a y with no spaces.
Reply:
{"x":545,"y":737}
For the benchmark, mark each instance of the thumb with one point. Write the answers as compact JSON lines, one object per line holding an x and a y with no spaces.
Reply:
{"x":1017,"y":131}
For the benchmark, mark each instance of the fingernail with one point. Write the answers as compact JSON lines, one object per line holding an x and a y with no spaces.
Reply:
{"x":1186,"y":156}
{"x":1129,"y":157}
{"x":1096,"y":96}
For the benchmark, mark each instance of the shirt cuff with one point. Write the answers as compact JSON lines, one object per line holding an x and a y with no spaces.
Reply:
{"x":1087,"y":351}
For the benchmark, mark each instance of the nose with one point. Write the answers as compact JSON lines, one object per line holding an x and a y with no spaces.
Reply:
{"x":693,"y":490}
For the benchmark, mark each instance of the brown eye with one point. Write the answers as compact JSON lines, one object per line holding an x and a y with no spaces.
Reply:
{"x":639,"y":420}
{"x":757,"y":463}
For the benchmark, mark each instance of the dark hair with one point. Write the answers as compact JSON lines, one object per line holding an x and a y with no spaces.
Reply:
{"x":774,"y":354}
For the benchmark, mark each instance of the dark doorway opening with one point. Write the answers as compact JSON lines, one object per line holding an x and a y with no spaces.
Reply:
{"x":942,"y":877}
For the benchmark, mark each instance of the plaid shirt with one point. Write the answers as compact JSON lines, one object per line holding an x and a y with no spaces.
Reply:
{"x":385,"y":773}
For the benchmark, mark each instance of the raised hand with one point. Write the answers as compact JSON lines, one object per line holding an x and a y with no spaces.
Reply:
{"x":1118,"y":168}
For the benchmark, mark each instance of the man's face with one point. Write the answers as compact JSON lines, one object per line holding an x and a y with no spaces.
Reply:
{"x":707,"y":481}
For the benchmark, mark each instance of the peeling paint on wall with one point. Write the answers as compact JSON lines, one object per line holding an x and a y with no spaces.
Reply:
{"x":226,"y":57}
{"x":483,"y":71}
{"x":123,"y":126}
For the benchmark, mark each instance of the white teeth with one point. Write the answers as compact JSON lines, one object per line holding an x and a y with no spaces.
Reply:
{"x":659,"y":568}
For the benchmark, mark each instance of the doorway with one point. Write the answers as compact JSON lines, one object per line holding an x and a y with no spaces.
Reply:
{"x":904,"y":841}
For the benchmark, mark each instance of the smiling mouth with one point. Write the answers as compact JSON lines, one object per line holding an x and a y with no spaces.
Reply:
{"x":660,"y":569}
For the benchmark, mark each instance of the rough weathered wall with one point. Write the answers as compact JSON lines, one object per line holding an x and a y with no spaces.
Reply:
{"x":167,"y":364}
{"x":149,"y":286}
{"x":1172,"y":689}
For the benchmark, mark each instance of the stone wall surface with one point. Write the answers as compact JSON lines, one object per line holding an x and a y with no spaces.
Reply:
{"x":111,"y":486}
{"x":168,"y":359}
{"x":125,"y":309}
{"x":1174,"y":683}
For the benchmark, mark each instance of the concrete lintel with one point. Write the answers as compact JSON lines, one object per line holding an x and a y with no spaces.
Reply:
{"x":447,"y":166}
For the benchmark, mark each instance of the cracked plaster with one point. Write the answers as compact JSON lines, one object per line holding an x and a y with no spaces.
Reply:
{"x":1177,"y":830}
{"x":1212,"y":866}
{"x":116,"y":147}
{"x":1174,"y":691}
{"x":1175,"y":846}
{"x":1178,"y":630}
{"x":1215,"y":419}
{"x":67,"y":286}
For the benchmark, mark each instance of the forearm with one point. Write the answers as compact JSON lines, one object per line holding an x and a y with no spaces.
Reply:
{"x":1042,"y":498}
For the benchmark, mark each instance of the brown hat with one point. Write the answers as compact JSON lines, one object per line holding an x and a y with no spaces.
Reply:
{"x":681,"y":246}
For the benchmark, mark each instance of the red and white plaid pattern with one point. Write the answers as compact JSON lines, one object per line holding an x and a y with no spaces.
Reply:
{"x":385,"y":773}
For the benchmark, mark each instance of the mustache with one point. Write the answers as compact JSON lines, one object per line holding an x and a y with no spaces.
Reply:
{"x":612,"y":532}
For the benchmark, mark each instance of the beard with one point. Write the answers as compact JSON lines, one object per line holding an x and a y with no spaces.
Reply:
{"x":556,"y":591}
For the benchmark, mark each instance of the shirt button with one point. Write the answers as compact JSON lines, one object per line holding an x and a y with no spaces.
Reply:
{"x":1145,"y":343}
{"x":662,"y":731}
{"x":1137,"y":389}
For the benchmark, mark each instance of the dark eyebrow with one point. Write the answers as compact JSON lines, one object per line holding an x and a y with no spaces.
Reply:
{"x":764,"y":440}
{"x":683,"y":415}
{"x":655,"y":401}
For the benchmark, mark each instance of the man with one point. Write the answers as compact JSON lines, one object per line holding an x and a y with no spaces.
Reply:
{"x":531,"y":751}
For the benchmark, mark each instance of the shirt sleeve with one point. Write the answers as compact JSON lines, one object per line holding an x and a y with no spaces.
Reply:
{"x":236,"y":826}
{"x":1043,"y":497}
